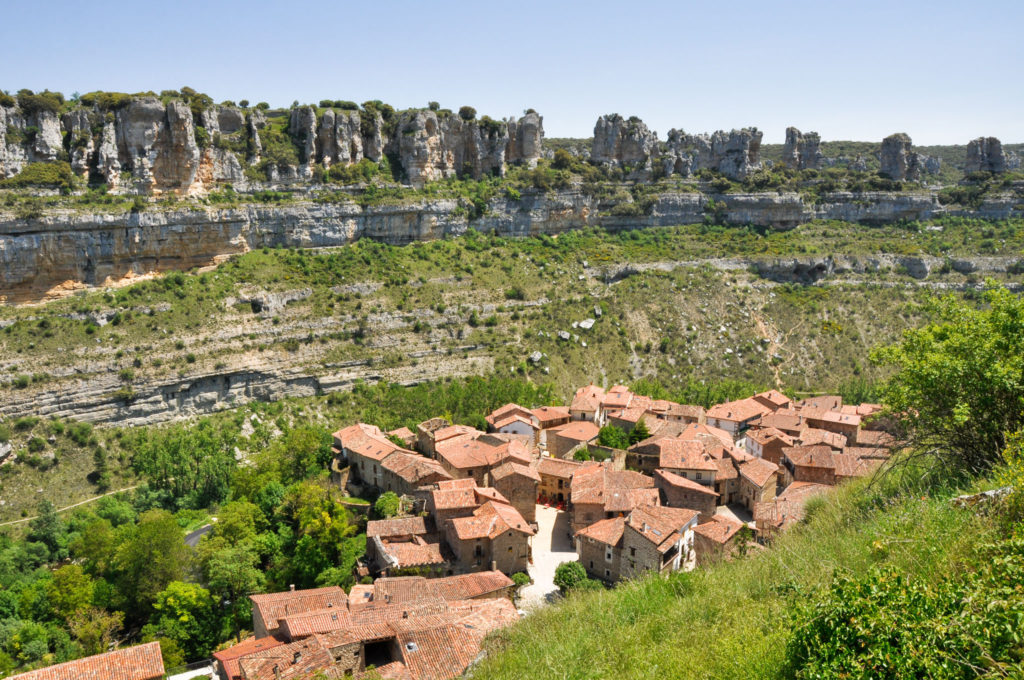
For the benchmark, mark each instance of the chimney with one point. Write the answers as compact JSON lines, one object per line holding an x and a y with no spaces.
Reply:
{"x":277,"y":672}
{"x":405,"y":615}
{"x":295,"y":659}
{"x":291,"y":588}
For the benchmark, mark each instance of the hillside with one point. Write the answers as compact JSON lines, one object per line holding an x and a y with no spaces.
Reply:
{"x":735,"y":620}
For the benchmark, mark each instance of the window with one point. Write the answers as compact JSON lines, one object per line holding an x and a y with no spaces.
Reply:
{"x":698,"y":475}
{"x":591,"y":564}
{"x":607,"y":573}
{"x":632,"y":552}
{"x":559,"y":483}
{"x":510,"y":548}
{"x":608,"y":555}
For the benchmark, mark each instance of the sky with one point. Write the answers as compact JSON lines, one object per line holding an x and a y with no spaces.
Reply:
{"x":943,"y":72}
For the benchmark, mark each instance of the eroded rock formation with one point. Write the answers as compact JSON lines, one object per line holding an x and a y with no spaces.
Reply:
{"x":735,"y":154}
{"x":802,"y":151}
{"x":897,"y":159}
{"x":985,"y":154}
{"x":623,"y":142}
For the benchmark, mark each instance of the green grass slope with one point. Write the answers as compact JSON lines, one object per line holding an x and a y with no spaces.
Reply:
{"x":734,"y":620}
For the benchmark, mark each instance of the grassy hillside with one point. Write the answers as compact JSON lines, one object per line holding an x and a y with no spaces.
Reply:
{"x":734,"y":620}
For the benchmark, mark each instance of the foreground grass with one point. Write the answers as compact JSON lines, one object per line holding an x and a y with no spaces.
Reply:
{"x":734,"y":620}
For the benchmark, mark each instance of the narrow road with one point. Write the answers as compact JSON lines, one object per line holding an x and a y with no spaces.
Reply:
{"x":72,"y":506}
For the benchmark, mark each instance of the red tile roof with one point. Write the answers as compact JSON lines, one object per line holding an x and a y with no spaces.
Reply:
{"x":765,"y":435}
{"x":773,"y":399}
{"x":508,"y":469}
{"x":557,"y":467}
{"x":546,"y":415}
{"x":672,"y":479}
{"x":229,"y":657}
{"x":607,"y":531}
{"x":678,"y":454}
{"x":367,"y":441}
{"x":273,"y":607}
{"x":616,"y":490}
{"x":504,"y":412}
{"x":142,"y":662}
{"x":579,"y":430}
{"x":758,"y":471}
{"x":661,"y":525}
{"x":403,"y":526}
{"x":587,"y":399}
{"x":738,"y":411}
{"x":719,"y":529}
{"x":414,"y":468}
{"x":490,"y":520}
{"x":810,"y":456}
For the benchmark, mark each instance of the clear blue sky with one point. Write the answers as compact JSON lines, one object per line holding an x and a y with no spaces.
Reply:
{"x":942,"y":71}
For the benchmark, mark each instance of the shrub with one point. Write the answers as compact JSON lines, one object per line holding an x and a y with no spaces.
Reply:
{"x":36,"y":444}
{"x":57,"y":174}
{"x":613,"y":437}
{"x":108,"y":101}
{"x":5,"y":434}
{"x":387,"y":505}
{"x":521,"y":578}
{"x":32,"y":104}
{"x":7,"y":100}
{"x":569,"y":575}
{"x":467,"y":113}
{"x":26,"y":423}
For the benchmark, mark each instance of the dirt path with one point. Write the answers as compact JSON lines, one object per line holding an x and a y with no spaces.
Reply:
{"x":73,"y":505}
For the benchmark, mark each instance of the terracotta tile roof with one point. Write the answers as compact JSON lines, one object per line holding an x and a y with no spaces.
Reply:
{"x":826,"y":416}
{"x":452,"y":499}
{"x":773,"y":399}
{"x":464,"y":453}
{"x":758,"y":471}
{"x":452,"y":431}
{"x":706,"y":433}
{"x":672,"y":479}
{"x":661,"y":525}
{"x":788,"y":507}
{"x":557,"y":467}
{"x":546,"y":415}
{"x":607,"y":531}
{"x":508,"y":469}
{"x":848,"y":466}
{"x":579,"y":430}
{"x":229,"y":657}
{"x":486,"y":493}
{"x":414,"y":468}
{"x":275,"y":606}
{"x":449,"y":484}
{"x":765,"y":435}
{"x":738,"y":411}
{"x":405,"y":434}
{"x":827,"y":402}
{"x":287,"y":662}
{"x":679,"y":454}
{"x":504,"y":412}
{"x":419,"y":551}
{"x":403,"y":526}
{"x":469,"y":586}
{"x":142,"y":662}
{"x":490,"y":520}
{"x":726,"y":469}
{"x":788,"y":422}
{"x":587,"y":399}
{"x":719,"y":529}
{"x":812,"y":436}
{"x":684,"y":410}
{"x":515,"y":418}
{"x":867,"y":452}
{"x":875,"y":438}
{"x":616,"y":490}
{"x":810,"y":456}
{"x":367,"y":440}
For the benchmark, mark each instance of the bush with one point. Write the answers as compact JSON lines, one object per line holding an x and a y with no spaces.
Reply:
{"x":467,"y":113}
{"x":521,"y":578}
{"x":57,"y":174}
{"x":569,"y":575}
{"x":32,"y":104}
{"x":613,"y":437}
{"x":387,"y":505}
{"x":36,"y":444}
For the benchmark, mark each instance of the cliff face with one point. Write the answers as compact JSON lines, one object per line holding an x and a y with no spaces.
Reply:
{"x":802,"y":151}
{"x":147,"y":146}
{"x":53,"y":255}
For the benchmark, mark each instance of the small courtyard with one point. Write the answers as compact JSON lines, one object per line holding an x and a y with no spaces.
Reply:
{"x":551,"y":546}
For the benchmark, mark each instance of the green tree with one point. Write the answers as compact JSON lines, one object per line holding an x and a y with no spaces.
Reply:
{"x":639,"y":432}
{"x":959,"y":383}
{"x":48,"y":528}
{"x":95,"y":629}
{"x":69,"y":591}
{"x":568,"y":575}
{"x":95,"y":546}
{"x":188,"y":614}
{"x":613,"y":437}
{"x":388,"y":504}
{"x":467,"y":113}
{"x":153,"y":555}
{"x":233,"y":574}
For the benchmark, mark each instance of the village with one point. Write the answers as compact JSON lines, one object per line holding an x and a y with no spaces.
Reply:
{"x":486,"y":518}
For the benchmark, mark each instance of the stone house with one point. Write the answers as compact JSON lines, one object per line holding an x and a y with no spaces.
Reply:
{"x":598,"y":491}
{"x":364,"y":447}
{"x":403,"y":472}
{"x":672,"y":412}
{"x":458,"y":498}
{"x":555,"y":477}
{"x":767,"y":443}
{"x":788,"y":422}
{"x":812,"y":436}
{"x":715,"y":540}
{"x":773,"y":400}
{"x":757,"y":482}
{"x":268,"y":609}
{"x":547,"y":417}
{"x":736,"y":416}
{"x":846,"y":424}
{"x":564,"y":438}
{"x":688,"y":458}
{"x":396,"y":544}
{"x":518,"y":483}
{"x":810,"y":464}
{"x":474,"y":457}
{"x":680,"y":492}
{"x":495,"y":536}
{"x":650,"y":538}
{"x":513,"y":419}
{"x":586,"y":404}
{"x":425,"y":435}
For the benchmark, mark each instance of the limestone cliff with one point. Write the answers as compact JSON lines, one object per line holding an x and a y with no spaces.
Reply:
{"x":802,"y":151}
{"x":985,"y":154}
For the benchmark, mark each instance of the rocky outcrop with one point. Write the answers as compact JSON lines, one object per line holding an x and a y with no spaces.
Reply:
{"x":431,"y":148}
{"x":79,"y":129}
{"x":802,"y":151}
{"x":985,"y":154}
{"x":899,"y":162}
{"x":623,"y":142}
{"x":525,"y":139}
{"x":13,"y":154}
{"x":49,"y":256}
{"x":734,"y":154}
{"x":339,"y":138}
